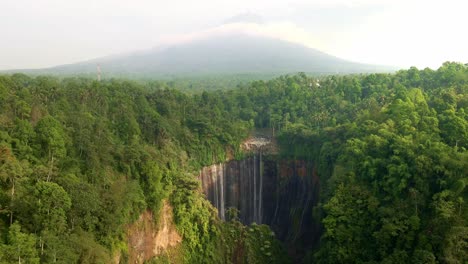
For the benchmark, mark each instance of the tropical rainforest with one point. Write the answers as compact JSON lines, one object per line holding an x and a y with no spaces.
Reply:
{"x":81,"y":160}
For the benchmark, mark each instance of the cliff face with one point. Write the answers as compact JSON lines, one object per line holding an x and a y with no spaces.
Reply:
{"x":266,"y":190}
{"x":237,"y":184}
{"x":147,"y":240}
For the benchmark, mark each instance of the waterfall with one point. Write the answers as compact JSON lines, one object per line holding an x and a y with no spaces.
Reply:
{"x":221,"y":188}
{"x":243,"y":188}
{"x":214,"y":180}
{"x":255,"y":212}
{"x":266,"y":190}
{"x":238,"y":184}
{"x":260,"y":208}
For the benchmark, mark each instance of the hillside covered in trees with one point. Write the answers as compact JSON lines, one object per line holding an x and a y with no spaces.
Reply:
{"x":80,"y":160}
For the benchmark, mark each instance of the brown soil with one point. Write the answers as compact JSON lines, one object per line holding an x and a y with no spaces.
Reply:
{"x":146,"y":239}
{"x":266,"y":145}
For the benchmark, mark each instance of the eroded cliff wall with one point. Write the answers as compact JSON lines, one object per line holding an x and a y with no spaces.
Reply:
{"x":267,"y":190}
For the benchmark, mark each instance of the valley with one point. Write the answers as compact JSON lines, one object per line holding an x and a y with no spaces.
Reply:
{"x":361,"y":168}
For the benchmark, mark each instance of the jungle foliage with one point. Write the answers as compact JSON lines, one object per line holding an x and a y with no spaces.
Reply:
{"x":81,"y":159}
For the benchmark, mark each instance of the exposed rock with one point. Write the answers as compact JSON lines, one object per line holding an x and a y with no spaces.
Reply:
{"x":116,"y":258}
{"x":260,"y":143}
{"x":146,"y":239}
{"x":255,"y":142}
{"x":265,"y":190}
{"x":167,"y":235}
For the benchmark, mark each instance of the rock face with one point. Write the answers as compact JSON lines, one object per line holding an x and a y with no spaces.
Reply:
{"x":266,"y":190}
{"x":237,"y":184}
{"x":147,"y":239}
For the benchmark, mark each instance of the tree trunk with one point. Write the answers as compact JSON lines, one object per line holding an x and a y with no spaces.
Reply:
{"x":12,"y":187}
{"x":41,"y":243}
{"x":50,"y":168}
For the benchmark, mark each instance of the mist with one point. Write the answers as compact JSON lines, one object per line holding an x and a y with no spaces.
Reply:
{"x":38,"y":34}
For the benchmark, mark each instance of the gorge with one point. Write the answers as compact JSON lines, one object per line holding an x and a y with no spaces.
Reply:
{"x":361,"y":169}
{"x":266,"y":189}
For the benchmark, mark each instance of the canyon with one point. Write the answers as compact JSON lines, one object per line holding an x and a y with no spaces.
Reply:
{"x":264,"y":188}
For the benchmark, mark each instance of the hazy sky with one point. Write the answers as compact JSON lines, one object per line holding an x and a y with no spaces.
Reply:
{"x":42,"y":33}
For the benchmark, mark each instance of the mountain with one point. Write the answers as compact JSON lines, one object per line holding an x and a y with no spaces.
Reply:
{"x":233,"y":53}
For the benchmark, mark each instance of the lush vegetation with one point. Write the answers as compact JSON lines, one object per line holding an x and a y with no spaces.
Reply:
{"x":80,"y":159}
{"x":392,"y":156}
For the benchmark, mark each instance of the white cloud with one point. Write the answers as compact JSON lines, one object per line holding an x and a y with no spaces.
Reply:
{"x":422,"y":34}
{"x":39,"y":33}
{"x":283,"y":30}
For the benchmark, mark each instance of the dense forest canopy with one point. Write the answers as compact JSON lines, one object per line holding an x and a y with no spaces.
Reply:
{"x":81,"y":159}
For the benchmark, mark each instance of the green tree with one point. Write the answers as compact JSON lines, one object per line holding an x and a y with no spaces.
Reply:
{"x":50,"y":137}
{"x":20,"y":247}
{"x":52,"y":203}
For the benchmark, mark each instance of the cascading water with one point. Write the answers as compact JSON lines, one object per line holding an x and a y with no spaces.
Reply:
{"x":237,"y":184}
{"x":265,"y":190}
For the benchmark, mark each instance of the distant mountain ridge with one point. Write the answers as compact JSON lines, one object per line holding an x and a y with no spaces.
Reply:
{"x":233,"y":53}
